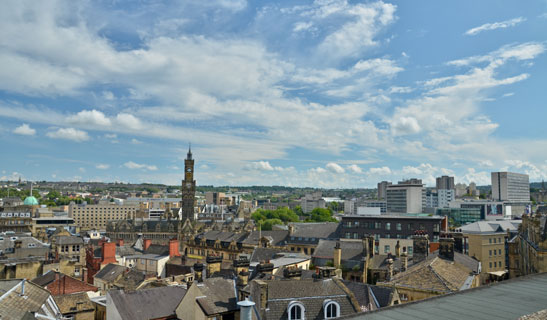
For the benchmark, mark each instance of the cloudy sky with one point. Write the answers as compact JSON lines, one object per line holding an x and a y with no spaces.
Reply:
{"x":329,"y":93}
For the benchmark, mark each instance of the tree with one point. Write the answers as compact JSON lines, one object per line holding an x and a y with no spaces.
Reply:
{"x":321,"y":215}
{"x":298,"y":211}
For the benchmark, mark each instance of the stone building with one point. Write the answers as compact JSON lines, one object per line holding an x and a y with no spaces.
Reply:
{"x":528,"y":249}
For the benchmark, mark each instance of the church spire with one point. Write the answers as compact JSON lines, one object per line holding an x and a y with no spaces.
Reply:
{"x":189,"y":155}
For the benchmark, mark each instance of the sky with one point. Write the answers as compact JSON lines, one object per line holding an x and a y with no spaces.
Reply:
{"x":326,"y":93}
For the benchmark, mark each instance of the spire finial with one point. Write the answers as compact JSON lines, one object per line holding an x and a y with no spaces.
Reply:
{"x":189,"y":155}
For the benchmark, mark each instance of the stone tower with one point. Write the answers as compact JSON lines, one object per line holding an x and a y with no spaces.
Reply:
{"x":188,"y":188}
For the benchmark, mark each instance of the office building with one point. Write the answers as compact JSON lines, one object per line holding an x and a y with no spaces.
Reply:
{"x":406,"y":197}
{"x":510,"y":186}
{"x":312,"y":201}
{"x":387,"y":226}
{"x":445,"y":182}
{"x":96,"y":216}
{"x":382,"y":189}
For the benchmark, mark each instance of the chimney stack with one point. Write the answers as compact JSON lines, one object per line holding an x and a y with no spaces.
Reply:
{"x":265,"y":267}
{"x":292,"y":273}
{"x":174,"y":248}
{"x":420,"y":243}
{"x":120,"y":242}
{"x":198,"y":272}
{"x":404,"y":260}
{"x":446,"y":247}
{"x":146,"y":244}
{"x":241,"y":267}
{"x":389,"y":269}
{"x":337,"y":255}
{"x":213,"y":264}
{"x":109,"y":253}
{"x":398,"y":249}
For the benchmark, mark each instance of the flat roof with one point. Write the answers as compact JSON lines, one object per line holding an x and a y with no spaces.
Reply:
{"x":381,"y":216}
{"x":508,"y":299}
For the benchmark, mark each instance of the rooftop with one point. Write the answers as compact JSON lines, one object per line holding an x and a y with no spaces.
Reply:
{"x":509,"y":299}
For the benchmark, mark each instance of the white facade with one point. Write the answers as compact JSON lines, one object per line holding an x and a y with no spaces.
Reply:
{"x":405,"y":198}
{"x":510,"y":186}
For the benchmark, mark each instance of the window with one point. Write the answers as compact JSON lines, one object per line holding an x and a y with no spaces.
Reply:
{"x":377,"y":225}
{"x":499,"y":252}
{"x":494,"y":240}
{"x":388,"y":226}
{"x":490,"y":265}
{"x":348,"y":235}
{"x":409,"y":226}
{"x":399,"y":227}
{"x":409,"y":250}
{"x":489,"y":252}
{"x":490,"y":239}
{"x":355,"y":235}
{"x":331,"y":309}
{"x":495,"y":252}
{"x":386,"y":248}
{"x":356,"y":223}
{"x":495,"y":264}
{"x":296,"y":311}
{"x":499,"y":240}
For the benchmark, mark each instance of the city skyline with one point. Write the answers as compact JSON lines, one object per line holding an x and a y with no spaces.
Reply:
{"x":326,"y":93}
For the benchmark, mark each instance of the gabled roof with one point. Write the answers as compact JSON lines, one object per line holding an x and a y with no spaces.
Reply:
{"x":15,"y":305}
{"x":110,"y":272}
{"x":69,"y":240}
{"x":74,"y":302}
{"x":351,"y":250}
{"x":147,"y":303}
{"x":46,"y":278}
{"x":367,"y":294}
{"x":318,"y":230}
{"x":435,"y":274}
{"x":311,"y":293}
{"x":277,"y":237}
{"x":218,"y":295}
{"x":491,"y":226}
{"x":157,"y":249}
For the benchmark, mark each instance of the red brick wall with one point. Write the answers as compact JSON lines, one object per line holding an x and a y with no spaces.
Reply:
{"x":92,"y":263}
{"x":174,"y":248}
{"x":109,"y":253}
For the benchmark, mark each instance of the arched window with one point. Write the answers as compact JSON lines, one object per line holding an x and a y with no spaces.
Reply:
{"x":296,"y":311}
{"x":331,"y":309}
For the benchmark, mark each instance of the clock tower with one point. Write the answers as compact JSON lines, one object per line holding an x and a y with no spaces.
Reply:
{"x":188,"y":188}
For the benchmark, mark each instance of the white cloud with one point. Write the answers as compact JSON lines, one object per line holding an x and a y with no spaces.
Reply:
{"x":14,"y":176}
{"x":135,"y":141}
{"x":69,"y":134}
{"x":89,"y":117}
{"x":260,"y":165}
{"x":82,"y":169}
{"x":495,"y":25}
{"x":354,"y":168}
{"x":132,"y":165}
{"x":302,"y":26}
{"x":382,"y":171}
{"x":405,"y":125}
{"x":129,"y":121}
{"x":25,"y":130}
{"x":102,"y":166}
{"x":334,"y":167}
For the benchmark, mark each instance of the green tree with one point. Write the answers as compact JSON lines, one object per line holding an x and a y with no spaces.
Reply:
{"x":321,"y":215}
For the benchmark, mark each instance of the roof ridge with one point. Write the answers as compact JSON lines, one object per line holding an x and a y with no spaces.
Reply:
{"x":443,"y":281}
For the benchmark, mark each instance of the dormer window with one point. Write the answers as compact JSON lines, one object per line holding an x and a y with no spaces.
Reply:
{"x":296,"y":311}
{"x":331,"y":309}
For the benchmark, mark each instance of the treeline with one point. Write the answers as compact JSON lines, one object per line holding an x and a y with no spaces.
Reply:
{"x":266,"y":219}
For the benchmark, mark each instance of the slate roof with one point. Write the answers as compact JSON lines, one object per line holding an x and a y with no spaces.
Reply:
{"x":25,"y":241}
{"x":508,"y":299}
{"x":123,"y":251}
{"x":491,"y":226}
{"x":224,"y":236}
{"x":218,"y":296}
{"x":436,"y":274}
{"x":14,"y":305}
{"x":147,"y":303}
{"x":67,"y":303}
{"x":278,"y":237}
{"x":368,"y":294}
{"x":69,"y":240}
{"x":319,"y":230}
{"x":45,"y":279}
{"x":110,"y":272}
{"x":262,"y":254}
{"x":311,"y":293}
{"x":157,"y":249}
{"x":351,"y":250}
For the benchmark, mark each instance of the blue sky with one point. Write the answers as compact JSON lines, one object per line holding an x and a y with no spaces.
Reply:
{"x":298,"y":93}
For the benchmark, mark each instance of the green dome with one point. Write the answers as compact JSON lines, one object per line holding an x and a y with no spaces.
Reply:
{"x":31,"y":201}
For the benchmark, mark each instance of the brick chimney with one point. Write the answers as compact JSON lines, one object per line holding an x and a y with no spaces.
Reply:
{"x":146,"y":244}
{"x":404,"y":260}
{"x":120,"y":242}
{"x":109,"y":253}
{"x":337,"y":255}
{"x":174,"y":248}
{"x":398,"y":249}
{"x":446,"y":247}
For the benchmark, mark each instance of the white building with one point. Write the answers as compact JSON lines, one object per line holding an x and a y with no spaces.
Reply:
{"x":406,"y":197}
{"x":510,"y":186}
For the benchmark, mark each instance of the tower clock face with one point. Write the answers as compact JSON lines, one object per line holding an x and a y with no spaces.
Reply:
{"x":188,"y":185}
{"x":189,"y":170}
